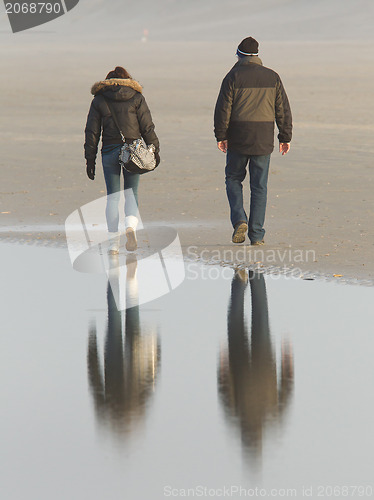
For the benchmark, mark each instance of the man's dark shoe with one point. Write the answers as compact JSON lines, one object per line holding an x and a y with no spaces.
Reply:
{"x":238,"y":236}
{"x":257,"y":243}
{"x":242,"y":274}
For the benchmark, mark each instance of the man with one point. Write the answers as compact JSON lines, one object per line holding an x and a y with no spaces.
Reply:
{"x":250,"y":99}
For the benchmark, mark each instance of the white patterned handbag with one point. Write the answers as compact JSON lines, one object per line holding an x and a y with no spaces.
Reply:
{"x":137,"y":157}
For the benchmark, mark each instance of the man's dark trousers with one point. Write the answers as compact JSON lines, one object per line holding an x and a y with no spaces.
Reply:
{"x":236,"y":169}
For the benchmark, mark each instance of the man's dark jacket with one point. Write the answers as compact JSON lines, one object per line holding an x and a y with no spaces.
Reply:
{"x":250,"y":99}
{"x":131,"y":110}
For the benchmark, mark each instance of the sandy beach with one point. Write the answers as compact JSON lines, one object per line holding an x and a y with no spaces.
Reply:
{"x":320,"y":201}
{"x":150,"y":374}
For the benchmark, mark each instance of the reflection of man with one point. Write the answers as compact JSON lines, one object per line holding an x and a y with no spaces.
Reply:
{"x":131,"y":363}
{"x":250,"y":99}
{"x":247,"y":378}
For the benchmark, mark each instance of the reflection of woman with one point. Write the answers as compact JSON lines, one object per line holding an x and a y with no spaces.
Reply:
{"x":130,"y":363}
{"x":127,"y":101}
{"x":248,"y":382}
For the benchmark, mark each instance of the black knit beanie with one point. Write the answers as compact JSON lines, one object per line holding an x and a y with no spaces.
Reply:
{"x":247,"y":47}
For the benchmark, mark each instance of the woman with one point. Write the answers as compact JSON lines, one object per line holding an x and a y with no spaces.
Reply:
{"x":135,"y":120}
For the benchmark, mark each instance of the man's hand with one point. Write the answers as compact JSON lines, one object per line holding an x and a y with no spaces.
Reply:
{"x":222,"y":146}
{"x":284,"y":147}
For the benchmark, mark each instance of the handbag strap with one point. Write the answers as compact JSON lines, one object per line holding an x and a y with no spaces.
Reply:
{"x":114,"y":116}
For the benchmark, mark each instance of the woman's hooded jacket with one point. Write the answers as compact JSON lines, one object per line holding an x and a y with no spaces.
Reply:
{"x":132,"y":114}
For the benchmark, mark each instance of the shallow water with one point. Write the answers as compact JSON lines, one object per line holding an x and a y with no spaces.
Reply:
{"x":225,"y":382}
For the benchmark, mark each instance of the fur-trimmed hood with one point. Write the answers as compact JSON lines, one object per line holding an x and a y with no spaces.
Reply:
{"x":115,"y":84}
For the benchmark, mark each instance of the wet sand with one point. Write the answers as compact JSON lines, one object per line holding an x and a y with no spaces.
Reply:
{"x":222,"y":382}
{"x":320,"y":204}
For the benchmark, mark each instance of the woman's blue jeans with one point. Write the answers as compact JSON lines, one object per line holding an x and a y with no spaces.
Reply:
{"x":112,"y":175}
{"x":236,"y":170}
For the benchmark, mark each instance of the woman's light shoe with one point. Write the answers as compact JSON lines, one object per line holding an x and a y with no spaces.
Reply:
{"x":114,"y":244}
{"x":131,"y":243}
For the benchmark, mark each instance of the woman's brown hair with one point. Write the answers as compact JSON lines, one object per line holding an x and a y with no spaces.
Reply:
{"x":119,"y":72}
